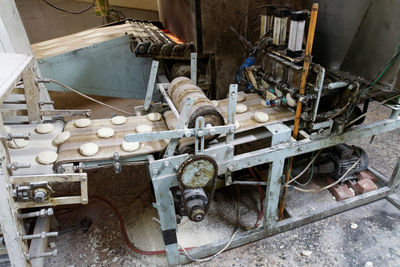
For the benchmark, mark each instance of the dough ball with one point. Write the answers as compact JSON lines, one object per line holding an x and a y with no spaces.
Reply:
{"x":237,"y":125}
{"x":263,"y":103}
{"x":278,"y":93}
{"x":44,"y":128}
{"x":144,"y":128}
{"x":7,"y":129}
{"x":241,"y":97}
{"x":130,"y":146}
{"x":117,"y":120}
{"x":17,"y":143}
{"x":89,"y":149}
{"x":82,"y":123}
{"x":61,"y":137}
{"x":105,"y":132}
{"x":47,"y":157}
{"x":261,"y":117}
{"x":215,"y":103}
{"x":291,"y":102}
{"x":241,"y":108}
{"x":154,"y":116}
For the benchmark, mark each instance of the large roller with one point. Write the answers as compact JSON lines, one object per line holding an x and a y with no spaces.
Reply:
{"x":182,"y":88}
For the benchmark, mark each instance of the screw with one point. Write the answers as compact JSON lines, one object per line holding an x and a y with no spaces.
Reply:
{"x":83,"y":178}
{"x":166,"y":163}
{"x":176,"y":167}
{"x":39,"y":196}
{"x":230,"y":168}
{"x":155,"y":171}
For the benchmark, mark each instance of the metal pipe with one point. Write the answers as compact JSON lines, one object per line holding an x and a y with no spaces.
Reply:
{"x":303,"y":81}
{"x":320,"y":79}
{"x":249,"y":183}
{"x":336,"y":85}
{"x":43,"y":235}
{"x":40,"y":213}
{"x":169,"y":101}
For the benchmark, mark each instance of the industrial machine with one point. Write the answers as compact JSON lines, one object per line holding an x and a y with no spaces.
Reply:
{"x":200,"y":144}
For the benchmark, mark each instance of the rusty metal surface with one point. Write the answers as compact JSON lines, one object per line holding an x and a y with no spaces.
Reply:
{"x":68,"y":151}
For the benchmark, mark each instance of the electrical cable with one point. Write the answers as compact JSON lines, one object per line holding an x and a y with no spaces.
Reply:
{"x":230,"y":240}
{"x":305,"y":169}
{"x":85,"y":96}
{"x":124,"y":233}
{"x":71,"y":12}
{"x":328,"y":186}
{"x":365,"y":114}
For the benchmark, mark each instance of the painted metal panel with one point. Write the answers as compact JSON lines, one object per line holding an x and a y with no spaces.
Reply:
{"x":108,"y":68}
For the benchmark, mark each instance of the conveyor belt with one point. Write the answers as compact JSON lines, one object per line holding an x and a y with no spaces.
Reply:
{"x":69,"y":151}
{"x":37,"y":144}
{"x":247,"y":122}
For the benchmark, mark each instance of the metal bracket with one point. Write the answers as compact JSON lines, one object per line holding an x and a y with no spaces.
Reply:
{"x":150,"y":85}
{"x":193,"y":67}
{"x":117,"y":163}
{"x":232,"y":99}
{"x":199,"y":136}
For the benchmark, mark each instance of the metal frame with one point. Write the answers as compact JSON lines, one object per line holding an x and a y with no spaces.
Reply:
{"x":163,"y":175}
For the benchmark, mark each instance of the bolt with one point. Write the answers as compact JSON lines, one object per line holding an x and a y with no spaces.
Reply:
{"x":200,"y":133}
{"x":187,"y":133}
{"x":166,"y":163}
{"x":197,"y":174}
{"x":232,"y":130}
{"x":176,"y":167}
{"x":39,"y":196}
{"x":155,"y":171}
{"x":83,"y":178}
{"x":230,"y":168}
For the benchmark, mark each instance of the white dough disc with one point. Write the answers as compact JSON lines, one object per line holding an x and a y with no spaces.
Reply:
{"x":47,"y":157}
{"x":82,"y":123}
{"x":117,"y":120}
{"x":215,"y":103}
{"x":61,"y":137}
{"x":89,"y":149}
{"x":291,"y":102}
{"x":263,"y":103}
{"x":155,"y":116}
{"x":44,"y":128}
{"x":105,"y":132}
{"x":130,"y":146}
{"x":241,"y":97}
{"x":237,"y":125}
{"x":144,"y":128}
{"x":261,"y":117}
{"x":17,"y":143}
{"x":7,"y":129}
{"x":241,"y":108}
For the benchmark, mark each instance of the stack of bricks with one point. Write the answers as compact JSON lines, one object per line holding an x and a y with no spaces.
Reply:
{"x":366,"y":183}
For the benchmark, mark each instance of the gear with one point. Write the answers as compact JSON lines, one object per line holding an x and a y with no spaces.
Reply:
{"x":197,"y":171}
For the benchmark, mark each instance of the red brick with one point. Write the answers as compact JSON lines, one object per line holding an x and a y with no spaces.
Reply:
{"x":363,"y":186}
{"x":367,"y":175}
{"x":340,"y":191}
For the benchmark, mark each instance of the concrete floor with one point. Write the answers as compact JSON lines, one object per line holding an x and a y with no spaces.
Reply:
{"x":332,"y":241}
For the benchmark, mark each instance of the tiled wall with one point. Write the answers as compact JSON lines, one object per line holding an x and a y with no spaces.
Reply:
{"x":43,"y":22}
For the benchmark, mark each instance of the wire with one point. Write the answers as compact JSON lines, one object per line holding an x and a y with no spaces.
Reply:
{"x":365,"y":114}
{"x":305,"y":169}
{"x":230,"y":240}
{"x":125,"y":235}
{"x":71,"y":12}
{"x":85,"y":96}
{"x":328,"y":186}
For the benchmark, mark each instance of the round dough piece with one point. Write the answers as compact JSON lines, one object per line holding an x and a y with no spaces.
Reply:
{"x":291,"y":102}
{"x":261,"y":117}
{"x":44,"y":128}
{"x":88,"y":149}
{"x":17,"y":143}
{"x":241,"y":108}
{"x":155,"y":116}
{"x":47,"y":157}
{"x":144,"y":128}
{"x":237,"y":125}
{"x":215,"y":103}
{"x":105,"y":132}
{"x":117,"y":120}
{"x":130,"y":146}
{"x":263,"y":103}
{"x":241,"y":97}
{"x":82,"y":123}
{"x":278,"y":93}
{"x":61,"y":137}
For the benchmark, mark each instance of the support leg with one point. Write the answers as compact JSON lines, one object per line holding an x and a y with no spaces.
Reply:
{"x":166,"y":212}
